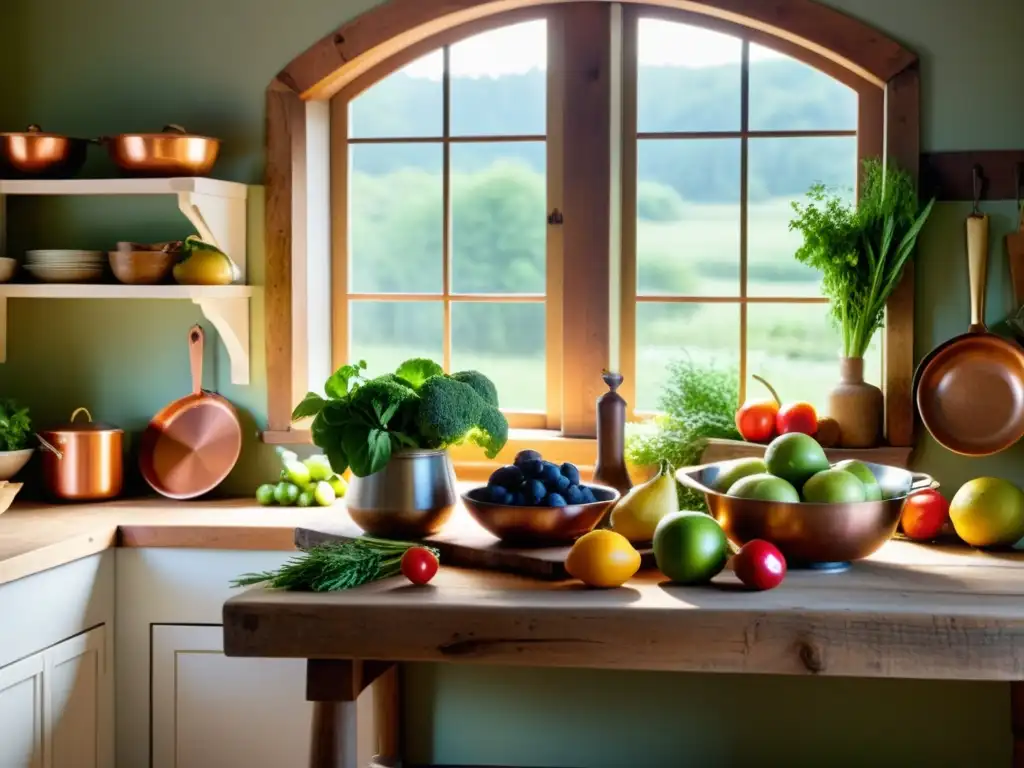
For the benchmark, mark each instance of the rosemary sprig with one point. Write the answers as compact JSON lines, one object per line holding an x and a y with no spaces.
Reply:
{"x":335,"y":566}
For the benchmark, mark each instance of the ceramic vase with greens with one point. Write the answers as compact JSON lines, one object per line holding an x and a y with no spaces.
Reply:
{"x":860,"y":250}
{"x":393,"y":432}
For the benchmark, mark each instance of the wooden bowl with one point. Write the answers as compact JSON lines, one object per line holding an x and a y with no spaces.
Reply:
{"x":8,"y":267}
{"x":142,"y":267}
{"x":539,"y":526}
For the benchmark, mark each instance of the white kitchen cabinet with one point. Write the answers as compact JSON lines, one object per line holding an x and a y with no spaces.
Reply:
{"x":56,"y":707}
{"x":180,"y":701}
{"x":210,"y":710}
{"x":21,"y":713}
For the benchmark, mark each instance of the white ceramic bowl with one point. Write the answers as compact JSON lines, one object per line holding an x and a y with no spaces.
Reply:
{"x":48,"y":274}
{"x":12,"y":462}
{"x":7,"y":269}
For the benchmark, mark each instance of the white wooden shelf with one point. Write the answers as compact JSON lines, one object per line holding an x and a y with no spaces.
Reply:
{"x":119,"y":291}
{"x":172,"y":186}
{"x":217,"y":210}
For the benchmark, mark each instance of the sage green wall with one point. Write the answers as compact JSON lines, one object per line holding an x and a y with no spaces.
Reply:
{"x":108,"y":66}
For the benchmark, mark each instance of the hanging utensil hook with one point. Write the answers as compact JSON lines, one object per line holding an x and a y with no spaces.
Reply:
{"x":1018,"y":185}
{"x":978,"y":184}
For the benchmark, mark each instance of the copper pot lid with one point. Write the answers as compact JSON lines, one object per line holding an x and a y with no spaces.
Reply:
{"x":169,"y":132}
{"x":33,"y":131}
{"x":84,"y":426}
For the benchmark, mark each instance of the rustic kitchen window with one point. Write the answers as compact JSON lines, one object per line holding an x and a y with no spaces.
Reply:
{"x":552,"y":190}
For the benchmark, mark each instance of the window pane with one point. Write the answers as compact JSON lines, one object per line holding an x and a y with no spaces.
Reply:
{"x":396,"y":218}
{"x":688,"y":78}
{"x":499,"y":82}
{"x":707,"y":334}
{"x":688,"y":217}
{"x":506,"y":342}
{"x":788,"y":95}
{"x":499,"y":217}
{"x":386,"y":333}
{"x":796,"y":348}
{"x":407,"y":103}
{"x":781,"y":171}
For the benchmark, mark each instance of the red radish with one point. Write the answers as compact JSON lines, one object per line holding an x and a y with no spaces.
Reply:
{"x":924,"y":514}
{"x":419,"y":565}
{"x":759,"y":565}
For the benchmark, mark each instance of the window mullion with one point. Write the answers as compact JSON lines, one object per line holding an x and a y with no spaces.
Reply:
{"x":586,"y":168}
{"x":446,"y":207}
{"x":744,"y":208}
{"x":628,"y":236}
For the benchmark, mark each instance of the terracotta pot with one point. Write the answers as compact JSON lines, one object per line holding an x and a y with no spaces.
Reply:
{"x":856,"y":406}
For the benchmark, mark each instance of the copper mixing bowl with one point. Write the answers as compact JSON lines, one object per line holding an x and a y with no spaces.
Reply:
{"x":34,"y":153}
{"x":539,"y":525}
{"x":811,"y":535}
{"x":174,"y":152}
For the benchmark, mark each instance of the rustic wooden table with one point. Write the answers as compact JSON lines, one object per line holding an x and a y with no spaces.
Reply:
{"x":909,"y":611}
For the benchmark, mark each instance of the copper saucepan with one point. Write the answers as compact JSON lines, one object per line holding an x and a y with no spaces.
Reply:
{"x":82,"y":461}
{"x":34,"y":153}
{"x":192,"y":444}
{"x":173,"y":152}
{"x":970,"y":390}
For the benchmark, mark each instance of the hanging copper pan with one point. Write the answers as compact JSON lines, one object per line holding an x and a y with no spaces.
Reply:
{"x":193,"y":443}
{"x":970,"y":390}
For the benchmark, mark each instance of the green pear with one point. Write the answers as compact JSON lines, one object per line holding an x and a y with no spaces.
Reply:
{"x":638,"y":513}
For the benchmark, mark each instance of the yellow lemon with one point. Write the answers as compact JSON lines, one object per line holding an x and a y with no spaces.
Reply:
{"x":602,"y":559}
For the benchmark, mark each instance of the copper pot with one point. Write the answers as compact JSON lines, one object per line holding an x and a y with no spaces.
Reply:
{"x":174,"y":152}
{"x":34,"y":153}
{"x":83,"y":461}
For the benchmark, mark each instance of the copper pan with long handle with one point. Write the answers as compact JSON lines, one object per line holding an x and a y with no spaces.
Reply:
{"x":192,"y":444}
{"x":970,"y":390}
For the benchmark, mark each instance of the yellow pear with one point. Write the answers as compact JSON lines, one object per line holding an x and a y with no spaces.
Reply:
{"x":638,"y":513}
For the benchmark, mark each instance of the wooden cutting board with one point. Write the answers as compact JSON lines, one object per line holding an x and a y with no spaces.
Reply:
{"x":465,"y":544}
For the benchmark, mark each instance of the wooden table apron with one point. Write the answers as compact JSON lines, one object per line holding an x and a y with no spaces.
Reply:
{"x":911,"y":612}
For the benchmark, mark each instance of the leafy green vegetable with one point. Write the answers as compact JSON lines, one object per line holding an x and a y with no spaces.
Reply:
{"x":15,"y":425}
{"x":861,"y":250}
{"x":335,"y":566}
{"x":361,"y":422}
{"x":697,"y":404}
{"x":418,"y":370}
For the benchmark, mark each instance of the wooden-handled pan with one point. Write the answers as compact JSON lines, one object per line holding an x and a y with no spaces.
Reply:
{"x":192,"y":444}
{"x":970,"y":390}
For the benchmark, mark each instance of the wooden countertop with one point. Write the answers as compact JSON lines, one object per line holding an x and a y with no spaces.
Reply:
{"x":34,"y":537}
{"x":908,"y":611}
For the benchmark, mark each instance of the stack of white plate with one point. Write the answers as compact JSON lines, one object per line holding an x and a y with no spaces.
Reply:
{"x":65,"y":266}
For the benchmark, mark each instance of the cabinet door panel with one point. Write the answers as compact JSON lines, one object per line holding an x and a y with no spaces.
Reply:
{"x":22,"y":713}
{"x":211,"y":711}
{"x":76,"y":672}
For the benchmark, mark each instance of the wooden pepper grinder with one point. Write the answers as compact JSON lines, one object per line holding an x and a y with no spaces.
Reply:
{"x":610,"y":469}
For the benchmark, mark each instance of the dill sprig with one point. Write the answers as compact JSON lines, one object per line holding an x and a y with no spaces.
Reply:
{"x":335,"y":565}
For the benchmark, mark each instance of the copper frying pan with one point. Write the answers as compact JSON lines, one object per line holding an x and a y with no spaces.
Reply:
{"x":192,"y":444}
{"x":970,"y":390}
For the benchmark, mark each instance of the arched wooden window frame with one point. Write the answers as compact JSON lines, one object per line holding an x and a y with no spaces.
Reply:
{"x":298,"y":214}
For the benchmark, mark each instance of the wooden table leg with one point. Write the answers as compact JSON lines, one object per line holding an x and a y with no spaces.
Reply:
{"x":334,"y":685}
{"x":386,"y":719}
{"x":1017,"y":722}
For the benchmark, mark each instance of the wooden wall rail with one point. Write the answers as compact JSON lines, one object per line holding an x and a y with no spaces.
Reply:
{"x":949,"y":175}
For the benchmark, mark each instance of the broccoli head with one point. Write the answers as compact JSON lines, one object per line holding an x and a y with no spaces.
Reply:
{"x":452,"y":411}
{"x":483,"y":385}
{"x":379,"y":394}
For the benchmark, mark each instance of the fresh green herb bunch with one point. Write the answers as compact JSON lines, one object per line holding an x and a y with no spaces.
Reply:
{"x":697,"y":404}
{"x":861,"y":249}
{"x":15,"y":425}
{"x":362,"y":421}
{"x":334,"y":566}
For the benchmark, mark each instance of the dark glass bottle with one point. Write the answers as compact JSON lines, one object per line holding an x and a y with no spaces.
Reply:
{"x":610,"y":469}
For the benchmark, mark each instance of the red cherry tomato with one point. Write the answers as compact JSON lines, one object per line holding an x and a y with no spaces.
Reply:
{"x":756,"y":420}
{"x":797,"y":417}
{"x":419,"y":565}
{"x":924,"y":514}
{"x":759,"y":565}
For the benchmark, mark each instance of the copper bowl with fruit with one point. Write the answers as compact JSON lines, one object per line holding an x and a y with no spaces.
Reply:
{"x":536,"y":525}
{"x":536,"y":502}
